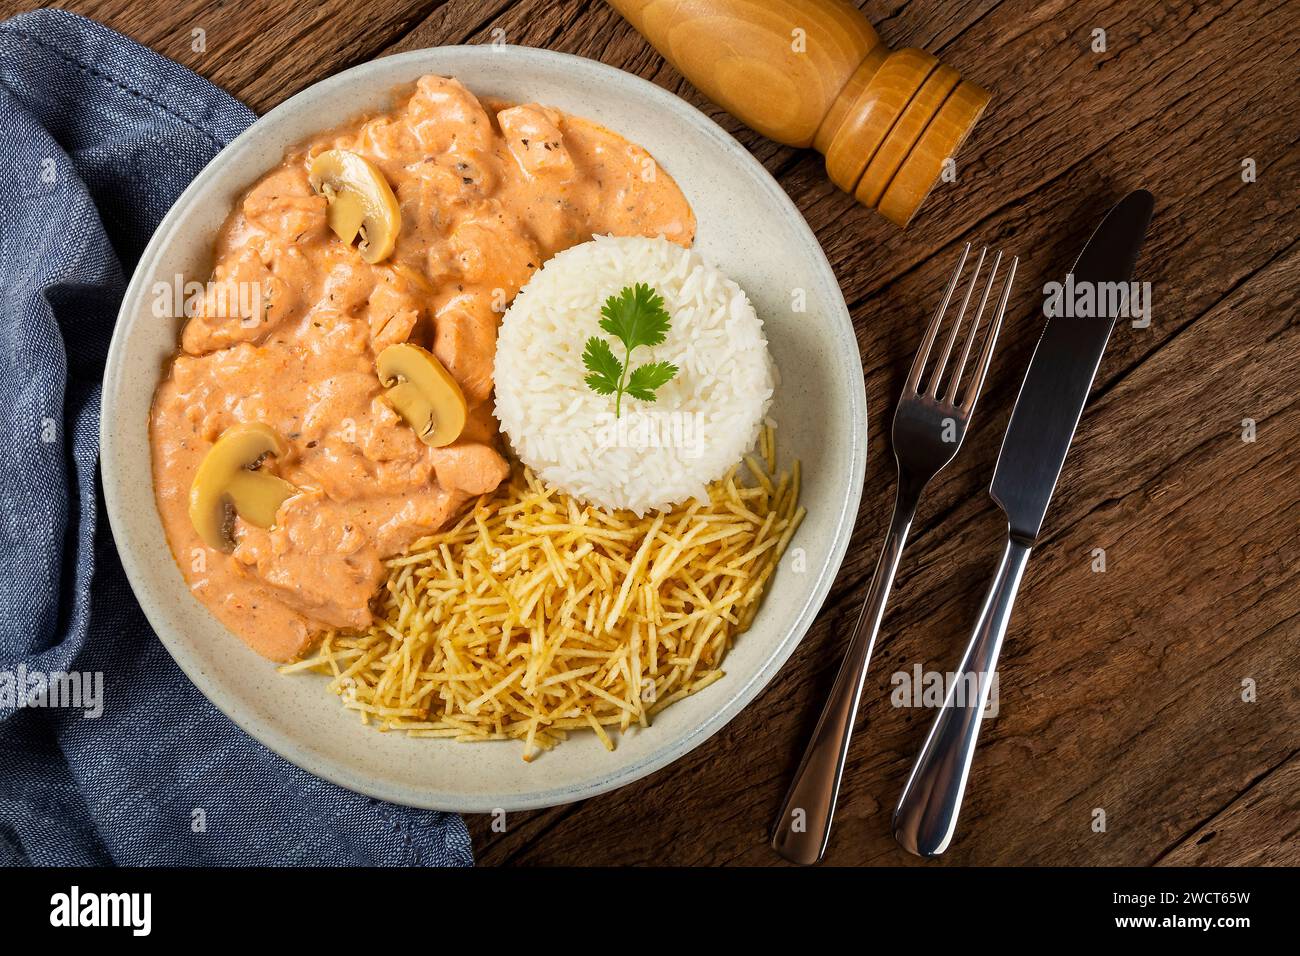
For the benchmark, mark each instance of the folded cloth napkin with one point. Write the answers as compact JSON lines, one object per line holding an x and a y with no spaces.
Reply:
{"x":98,"y":137}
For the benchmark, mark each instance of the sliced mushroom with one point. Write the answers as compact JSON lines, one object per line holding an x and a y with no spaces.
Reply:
{"x":423,"y":393}
{"x":229,"y":478}
{"x":360,"y":202}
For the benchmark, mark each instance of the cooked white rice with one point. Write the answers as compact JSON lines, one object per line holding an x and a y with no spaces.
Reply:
{"x":656,"y":454}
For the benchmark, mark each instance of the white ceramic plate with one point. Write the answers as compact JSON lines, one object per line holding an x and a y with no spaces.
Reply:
{"x":748,"y":227}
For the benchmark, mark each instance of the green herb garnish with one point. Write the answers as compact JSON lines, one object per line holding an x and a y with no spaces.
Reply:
{"x":636,"y":317}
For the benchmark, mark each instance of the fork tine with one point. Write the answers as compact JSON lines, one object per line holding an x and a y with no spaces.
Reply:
{"x":955,"y":381}
{"x":956,"y":325}
{"x":923,"y":352}
{"x":986,"y":355}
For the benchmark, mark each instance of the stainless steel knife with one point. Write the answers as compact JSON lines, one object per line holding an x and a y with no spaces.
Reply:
{"x":1038,"y":437}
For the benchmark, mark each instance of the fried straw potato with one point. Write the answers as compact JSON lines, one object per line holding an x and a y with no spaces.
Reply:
{"x":536,"y":616}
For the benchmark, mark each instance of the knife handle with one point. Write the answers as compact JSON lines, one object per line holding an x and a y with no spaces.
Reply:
{"x":926,"y":816}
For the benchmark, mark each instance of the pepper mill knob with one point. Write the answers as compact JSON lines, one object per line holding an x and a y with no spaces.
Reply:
{"x":815,"y":73}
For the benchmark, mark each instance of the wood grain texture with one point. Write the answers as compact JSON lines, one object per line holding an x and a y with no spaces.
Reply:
{"x":1120,"y":691}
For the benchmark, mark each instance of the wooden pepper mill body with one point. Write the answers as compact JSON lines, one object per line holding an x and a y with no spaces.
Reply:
{"x":814,"y":73}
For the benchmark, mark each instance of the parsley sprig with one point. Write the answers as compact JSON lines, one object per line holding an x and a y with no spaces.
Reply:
{"x":636,"y":317}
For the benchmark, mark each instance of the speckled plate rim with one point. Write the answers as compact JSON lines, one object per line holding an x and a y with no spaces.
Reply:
{"x":130,"y":537}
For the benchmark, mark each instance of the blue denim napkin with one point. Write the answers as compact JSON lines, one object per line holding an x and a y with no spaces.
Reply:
{"x":98,"y":137}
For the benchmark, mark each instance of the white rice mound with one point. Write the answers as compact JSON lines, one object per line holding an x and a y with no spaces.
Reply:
{"x":657,"y":454}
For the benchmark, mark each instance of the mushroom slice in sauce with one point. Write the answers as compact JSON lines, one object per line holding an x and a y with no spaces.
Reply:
{"x":423,"y":393}
{"x":228,"y":478}
{"x":360,"y":202}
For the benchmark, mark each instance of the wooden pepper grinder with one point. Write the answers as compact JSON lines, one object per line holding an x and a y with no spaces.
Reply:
{"x":814,"y":73}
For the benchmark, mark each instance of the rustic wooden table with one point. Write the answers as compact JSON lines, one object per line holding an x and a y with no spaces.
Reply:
{"x":1161,"y":690}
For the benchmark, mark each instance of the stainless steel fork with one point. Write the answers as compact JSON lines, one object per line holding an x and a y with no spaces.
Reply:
{"x":928,"y":431}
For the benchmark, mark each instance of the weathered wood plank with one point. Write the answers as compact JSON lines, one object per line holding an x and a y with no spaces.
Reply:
{"x":1122,"y":690}
{"x":1259,"y":828}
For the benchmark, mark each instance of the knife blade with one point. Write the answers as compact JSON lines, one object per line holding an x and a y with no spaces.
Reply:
{"x":1038,"y":437}
{"x":1064,"y":364}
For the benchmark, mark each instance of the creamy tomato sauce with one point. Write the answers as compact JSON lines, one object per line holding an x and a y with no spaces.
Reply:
{"x":488,"y":192}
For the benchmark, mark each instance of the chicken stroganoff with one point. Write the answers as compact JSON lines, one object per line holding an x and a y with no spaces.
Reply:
{"x":330,"y":403}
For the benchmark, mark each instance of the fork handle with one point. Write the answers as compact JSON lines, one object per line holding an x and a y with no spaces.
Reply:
{"x":926,"y":816}
{"x":804,"y":824}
